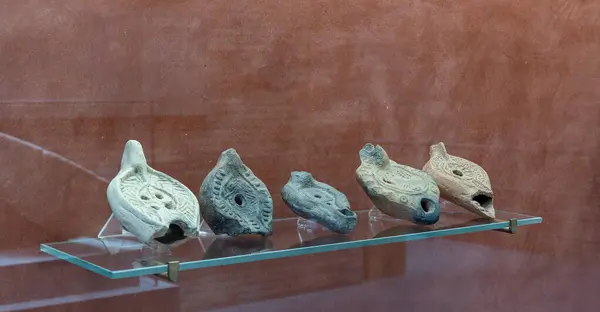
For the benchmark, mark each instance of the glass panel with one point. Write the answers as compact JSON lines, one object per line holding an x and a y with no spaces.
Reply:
{"x":124,"y":256}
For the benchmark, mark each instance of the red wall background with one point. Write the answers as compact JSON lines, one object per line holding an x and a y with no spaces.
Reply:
{"x":302,"y":85}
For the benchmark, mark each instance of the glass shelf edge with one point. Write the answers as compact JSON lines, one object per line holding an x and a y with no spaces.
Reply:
{"x":74,"y":260}
{"x":277,"y":254}
{"x":530,"y":221}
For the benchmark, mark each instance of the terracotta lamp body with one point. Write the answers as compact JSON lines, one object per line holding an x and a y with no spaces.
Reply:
{"x":461,"y":181}
{"x":319,"y":202}
{"x":233,"y":200}
{"x":150,"y":204}
{"x":397,"y":190}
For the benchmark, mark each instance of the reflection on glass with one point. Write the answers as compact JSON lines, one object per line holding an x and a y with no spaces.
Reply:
{"x":237,"y":246}
{"x":311,"y":233}
{"x":323,"y":240}
{"x":400,"y":229}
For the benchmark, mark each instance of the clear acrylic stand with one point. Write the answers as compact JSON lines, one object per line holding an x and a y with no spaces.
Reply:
{"x":309,"y":230}
{"x":376,"y":215}
{"x":112,"y":228}
{"x":206,"y":236}
{"x":116,"y":239}
{"x":310,"y":226}
{"x":378,"y":221}
{"x":311,"y":233}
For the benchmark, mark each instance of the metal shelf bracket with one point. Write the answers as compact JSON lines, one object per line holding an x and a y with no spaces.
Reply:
{"x":172,"y":271}
{"x":512,"y":227}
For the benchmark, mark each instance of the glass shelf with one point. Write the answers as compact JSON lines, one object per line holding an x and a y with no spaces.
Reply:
{"x":123,"y":256}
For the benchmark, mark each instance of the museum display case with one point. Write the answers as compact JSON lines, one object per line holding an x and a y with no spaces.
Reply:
{"x":299,"y":156}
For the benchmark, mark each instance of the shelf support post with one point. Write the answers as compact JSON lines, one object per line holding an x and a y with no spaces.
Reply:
{"x":172,"y":271}
{"x":512,"y":227}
